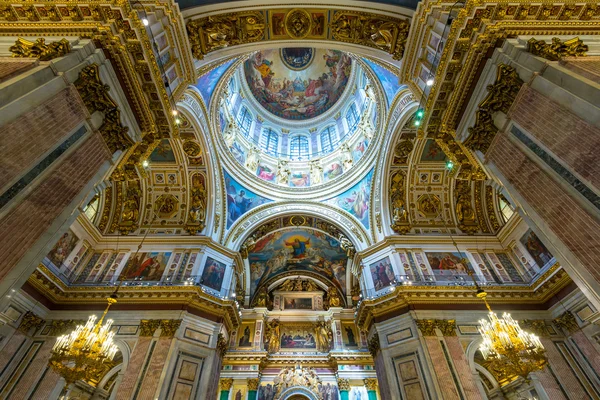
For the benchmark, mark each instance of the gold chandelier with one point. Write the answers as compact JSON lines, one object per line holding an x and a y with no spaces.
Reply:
{"x":84,"y":352}
{"x":509,"y":350}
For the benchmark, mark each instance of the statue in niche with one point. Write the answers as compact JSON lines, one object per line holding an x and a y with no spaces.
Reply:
{"x":333,"y":297}
{"x":346,"y":156}
{"x":316,"y":172}
{"x":230,"y":133}
{"x":273,"y":336}
{"x":283,"y":172}
{"x":324,"y":336}
{"x":253,"y":159}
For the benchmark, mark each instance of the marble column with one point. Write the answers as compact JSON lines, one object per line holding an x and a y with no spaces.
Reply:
{"x":252,"y":384}
{"x":344,"y":387}
{"x":225,"y":384}
{"x":371,"y":385}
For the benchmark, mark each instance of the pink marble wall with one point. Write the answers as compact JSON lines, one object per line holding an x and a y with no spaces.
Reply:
{"x":130,"y":377}
{"x":9,"y":349}
{"x":382,"y":379}
{"x":563,"y":371}
{"x":440,"y":366}
{"x":588,"y":350}
{"x":47,"y":385}
{"x":550,"y":385}
{"x":461,"y":365}
{"x":155,"y":368}
{"x":33,"y":372}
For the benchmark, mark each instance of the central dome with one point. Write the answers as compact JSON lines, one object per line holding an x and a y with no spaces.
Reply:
{"x":297,"y":83}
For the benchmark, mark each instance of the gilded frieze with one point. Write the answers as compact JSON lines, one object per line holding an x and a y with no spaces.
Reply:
{"x":557,"y":49}
{"x":39,"y":49}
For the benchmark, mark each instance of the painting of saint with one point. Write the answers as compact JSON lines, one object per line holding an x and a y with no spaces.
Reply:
{"x":297,"y":249}
{"x":62,"y":248}
{"x":358,"y":393}
{"x":536,"y":248}
{"x":299,"y":179}
{"x":266,"y":173}
{"x":238,"y":152}
{"x":163,"y":152}
{"x":239,"y":200}
{"x":207,"y":82}
{"x":266,"y":392}
{"x":333,"y":170}
{"x":388,"y":80}
{"x":432,"y":152}
{"x":297,"y":83}
{"x":213,"y":273}
{"x":146,"y":266}
{"x":447,"y":264}
{"x":359,"y":149}
{"x":329,"y":391}
{"x":356,"y":200}
{"x":246,"y":337}
{"x":382,"y":273}
{"x":349,"y":336}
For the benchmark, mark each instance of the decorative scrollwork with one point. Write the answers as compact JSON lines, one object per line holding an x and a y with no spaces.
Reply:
{"x":39,"y":49}
{"x":465,"y":214}
{"x":567,"y":321}
{"x":197,"y":213}
{"x":30,"y":320}
{"x":131,"y":208}
{"x":148,"y":327}
{"x":168,"y":327}
{"x":557,"y":49}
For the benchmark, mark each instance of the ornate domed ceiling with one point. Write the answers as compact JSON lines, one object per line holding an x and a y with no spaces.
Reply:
{"x":297,"y":83}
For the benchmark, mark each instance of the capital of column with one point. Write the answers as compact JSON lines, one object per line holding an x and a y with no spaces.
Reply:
{"x":343,"y":384}
{"x":226,"y":384}
{"x":371,"y":384}
{"x":567,"y":321}
{"x":148,"y":327}
{"x":252,"y":383}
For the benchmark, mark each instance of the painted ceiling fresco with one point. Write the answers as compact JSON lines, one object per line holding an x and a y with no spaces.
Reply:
{"x":388,"y":80}
{"x":297,"y":249}
{"x":207,"y":82}
{"x":297,"y":83}
{"x":240,"y":199}
{"x":356,"y":200}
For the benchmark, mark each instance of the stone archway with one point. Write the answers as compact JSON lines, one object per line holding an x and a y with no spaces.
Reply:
{"x":298,"y":393}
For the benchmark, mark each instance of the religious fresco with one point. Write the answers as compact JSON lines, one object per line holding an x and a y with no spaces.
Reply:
{"x":238,"y":152}
{"x":146,"y":266}
{"x":382,"y":273}
{"x":266,"y":392}
{"x":534,"y":246}
{"x":213,"y":273}
{"x":297,"y":83}
{"x":207,"y":82}
{"x":359,"y":149}
{"x":388,"y":80}
{"x":349,"y":335}
{"x":62,"y":248}
{"x":297,"y":303}
{"x":298,"y":249}
{"x":432,"y":152}
{"x":246,"y":334}
{"x":445,"y":264}
{"x":358,"y":393}
{"x":297,"y":338}
{"x":356,"y":200}
{"x":240,"y":200}
{"x":163,"y":152}
{"x":299,"y":179}
{"x":266,"y":173}
{"x":333,"y":170}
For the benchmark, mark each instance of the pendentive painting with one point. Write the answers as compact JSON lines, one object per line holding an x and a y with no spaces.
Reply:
{"x":146,"y":266}
{"x":382,"y":273}
{"x":213,"y":273}
{"x":63,"y":248}
{"x":297,"y":83}
{"x":297,"y":249}
{"x":207,"y":82}
{"x":240,"y":200}
{"x":356,"y":200}
{"x":446,"y":264}
{"x":432,"y":152}
{"x":388,"y":80}
{"x":163,"y":153}
{"x":536,"y":248}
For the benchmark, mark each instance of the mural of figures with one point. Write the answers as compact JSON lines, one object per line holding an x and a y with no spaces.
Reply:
{"x":266,"y":173}
{"x":298,"y":249}
{"x":447,"y":264}
{"x":246,"y":335}
{"x":536,"y":248}
{"x":356,"y":200}
{"x":358,"y":393}
{"x":240,"y":200}
{"x":146,"y":266}
{"x":163,"y":153}
{"x":207,"y":82}
{"x":266,"y":392}
{"x":298,"y":338}
{"x":213,"y":273}
{"x":432,"y":152}
{"x":299,"y":179}
{"x":62,"y":248}
{"x":333,"y":170}
{"x":388,"y":80}
{"x":294,"y":303}
{"x":238,"y":153}
{"x":382,"y":273}
{"x":298,"y":83}
{"x":359,"y":149}
{"x":329,"y":391}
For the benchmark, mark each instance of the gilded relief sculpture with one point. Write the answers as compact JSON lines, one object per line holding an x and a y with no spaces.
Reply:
{"x":39,"y":49}
{"x":131,"y":208}
{"x":465,"y":214}
{"x":197,"y":213}
{"x":557,"y":49}
{"x":399,"y":211}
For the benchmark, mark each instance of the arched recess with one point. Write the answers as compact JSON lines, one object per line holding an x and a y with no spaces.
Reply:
{"x":298,"y":393}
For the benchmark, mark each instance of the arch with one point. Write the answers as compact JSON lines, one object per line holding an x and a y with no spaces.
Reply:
{"x":298,"y":392}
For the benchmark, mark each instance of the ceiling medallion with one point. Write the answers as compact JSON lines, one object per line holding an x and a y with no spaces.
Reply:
{"x":298,"y":23}
{"x":191,"y":148}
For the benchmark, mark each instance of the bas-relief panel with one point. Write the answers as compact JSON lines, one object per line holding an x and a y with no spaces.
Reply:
{"x":240,"y":200}
{"x":207,"y":82}
{"x":147,"y":266}
{"x":63,"y":248}
{"x":297,"y":83}
{"x":388,"y":80}
{"x":300,"y":249}
{"x":382,"y":273}
{"x":536,"y":248}
{"x":356,"y":200}
{"x":213,"y":273}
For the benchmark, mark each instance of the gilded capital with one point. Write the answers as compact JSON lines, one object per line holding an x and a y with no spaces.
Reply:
{"x":371,"y":384}
{"x":221,"y":345}
{"x":30,"y":320}
{"x":226,"y":384}
{"x":252,"y":383}
{"x":447,"y":326}
{"x":426,"y":326}
{"x":567,"y":321}
{"x":168,"y":327}
{"x":343,"y":384}
{"x":374,"y":345}
{"x":537,"y":326}
{"x":148,"y":327}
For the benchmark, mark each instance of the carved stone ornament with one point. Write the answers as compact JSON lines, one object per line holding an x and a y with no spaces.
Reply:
{"x":168,"y":327}
{"x":343,"y":384}
{"x":219,"y":31}
{"x":402,"y":151}
{"x":567,"y":321}
{"x":399,"y":210}
{"x":226,"y":384}
{"x":374,"y":345}
{"x":371,"y":384}
{"x":131,"y":208}
{"x":39,"y":49}
{"x":148,"y":327}
{"x":191,"y":148}
{"x":333,"y":297}
{"x":557,"y":49}
{"x":252,"y":383}
{"x":536,"y":326}
{"x":465,"y":214}
{"x":30,"y":320}
{"x":500,"y":97}
{"x":221,"y":345}
{"x":426,"y":326}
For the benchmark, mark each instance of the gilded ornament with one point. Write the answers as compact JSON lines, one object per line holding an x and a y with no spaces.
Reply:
{"x":429,"y":205}
{"x":298,"y":23}
{"x":106,"y":209}
{"x":333,"y":297}
{"x":489,"y":205}
{"x":500,"y":97}
{"x":60,"y":327}
{"x":197,"y":213}
{"x":343,"y":384}
{"x":567,"y":322}
{"x":131,"y":208}
{"x":371,"y":384}
{"x":166,"y":205}
{"x":221,"y":345}
{"x":427,"y":326}
{"x":148,"y":327}
{"x":191,"y":148}
{"x":272,"y":335}
{"x":252,"y":383}
{"x":557,"y":49}
{"x":537,"y":326}
{"x":297,"y":376}
{"x":30,"y":320}
{"x":226,"y":384}
{"x":477,"y":197}
{"x":324,"y":336}
{"x":402,"y":151}
{"x":399,"y":210}
{"x":168,"y":327}
{"x":446,"y":326}
{"x":39,"y":49}
{"x":374,"y":345}
{"x":467,"y":222}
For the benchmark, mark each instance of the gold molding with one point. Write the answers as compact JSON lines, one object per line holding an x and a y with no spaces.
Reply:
{"x":557,"y":49}
{"x":39,"y":49}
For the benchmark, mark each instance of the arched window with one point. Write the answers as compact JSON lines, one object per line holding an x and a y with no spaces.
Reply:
{"x":299,"y":147}
{"x":352,"y":117}
{"x":231,"y":90}
{"x":328,"y":139}
{"x":245,"y":121}
{"x":269,"y":141}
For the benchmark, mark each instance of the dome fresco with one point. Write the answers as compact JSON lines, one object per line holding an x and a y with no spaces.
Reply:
{"x":297,"y":83}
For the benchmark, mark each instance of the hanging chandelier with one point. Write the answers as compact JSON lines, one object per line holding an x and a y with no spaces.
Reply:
{"x":84,"y":352}
{"x":509,"y":350}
